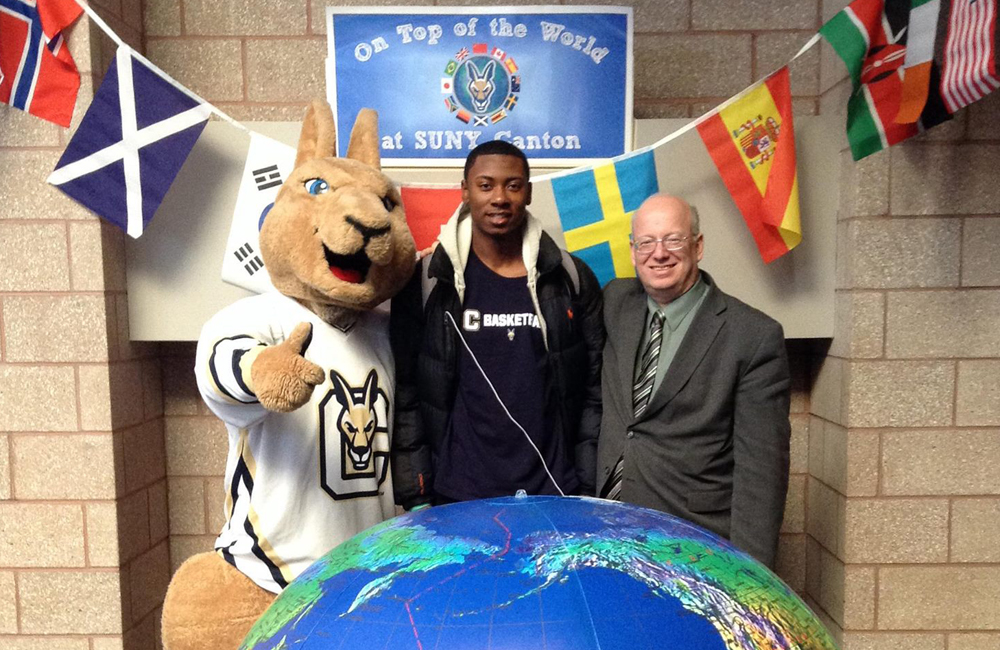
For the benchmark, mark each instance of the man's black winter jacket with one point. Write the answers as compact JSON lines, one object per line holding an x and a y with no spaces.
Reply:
{"x":426,"y":345}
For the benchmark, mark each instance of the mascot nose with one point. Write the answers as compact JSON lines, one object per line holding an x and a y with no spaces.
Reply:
{"x":376,"y":235}
{"x":367,"y":232}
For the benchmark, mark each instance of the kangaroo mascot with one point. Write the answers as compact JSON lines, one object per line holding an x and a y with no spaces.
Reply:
{"x":303,"y":380}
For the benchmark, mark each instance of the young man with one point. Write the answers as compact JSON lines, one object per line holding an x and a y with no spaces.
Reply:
{"x":531,"y":319}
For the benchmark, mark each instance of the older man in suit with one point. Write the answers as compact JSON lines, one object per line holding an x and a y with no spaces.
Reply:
{"x":696,"y":390}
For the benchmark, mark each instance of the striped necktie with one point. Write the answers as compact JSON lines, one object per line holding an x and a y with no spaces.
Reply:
{"x":643,"y":387}
{"x":642,"y":390}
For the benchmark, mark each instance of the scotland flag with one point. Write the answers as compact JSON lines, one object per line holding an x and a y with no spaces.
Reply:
{"x":133,"y":140}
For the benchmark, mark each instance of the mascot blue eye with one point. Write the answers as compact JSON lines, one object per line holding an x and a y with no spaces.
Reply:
{"x":317,"y":186}
{"x":387,"y":202}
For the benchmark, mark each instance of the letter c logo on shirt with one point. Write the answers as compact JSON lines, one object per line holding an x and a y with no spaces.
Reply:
{"x":471,"y":320}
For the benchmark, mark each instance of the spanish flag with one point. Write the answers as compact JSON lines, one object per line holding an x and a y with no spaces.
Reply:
{"x":752,"y":142}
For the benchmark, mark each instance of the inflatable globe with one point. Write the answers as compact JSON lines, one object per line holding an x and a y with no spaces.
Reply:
{"x":538,"y":572}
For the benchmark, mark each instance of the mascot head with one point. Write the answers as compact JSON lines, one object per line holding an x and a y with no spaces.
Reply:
{"x":336,"y":239}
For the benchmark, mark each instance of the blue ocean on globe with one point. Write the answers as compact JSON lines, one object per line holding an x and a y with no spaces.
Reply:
{"x":550,"y":573}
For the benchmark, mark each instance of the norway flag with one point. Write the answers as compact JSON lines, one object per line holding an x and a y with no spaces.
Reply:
{"x":37,"y":74}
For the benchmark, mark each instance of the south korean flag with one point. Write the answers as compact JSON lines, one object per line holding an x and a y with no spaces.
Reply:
{"x":268,"y":164}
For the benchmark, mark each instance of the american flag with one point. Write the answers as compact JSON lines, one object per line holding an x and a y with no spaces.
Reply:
{"x":969,"y":71}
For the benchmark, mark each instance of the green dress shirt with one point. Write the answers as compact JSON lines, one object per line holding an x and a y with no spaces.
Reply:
{"x":677,"y":316}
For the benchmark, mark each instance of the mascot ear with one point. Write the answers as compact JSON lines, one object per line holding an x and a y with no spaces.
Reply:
{"x":364,"y":139}
{"x":319,"y":135}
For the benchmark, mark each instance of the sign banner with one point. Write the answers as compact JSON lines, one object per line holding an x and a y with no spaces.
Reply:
{"x":556,"y":82}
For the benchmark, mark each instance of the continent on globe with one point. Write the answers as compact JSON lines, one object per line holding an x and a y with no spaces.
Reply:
{"x":538,"y":572}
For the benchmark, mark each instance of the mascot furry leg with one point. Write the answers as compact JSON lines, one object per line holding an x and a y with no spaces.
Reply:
{"x":210,"y":605}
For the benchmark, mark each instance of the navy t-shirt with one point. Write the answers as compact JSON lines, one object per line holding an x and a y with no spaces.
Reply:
{"x":484,"y":453}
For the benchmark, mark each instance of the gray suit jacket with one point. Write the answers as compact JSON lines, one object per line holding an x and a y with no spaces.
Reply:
{"x":712,"y":447}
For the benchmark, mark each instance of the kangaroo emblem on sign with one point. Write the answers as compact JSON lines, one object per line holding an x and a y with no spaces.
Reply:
{"x":481,"y":86}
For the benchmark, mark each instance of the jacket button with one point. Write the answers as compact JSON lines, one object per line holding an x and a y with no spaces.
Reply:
{"x":607,"y":470}
{"x":630,"y":435}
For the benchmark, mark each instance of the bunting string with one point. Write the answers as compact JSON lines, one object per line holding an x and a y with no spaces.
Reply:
{"x":430,"y":185}
{"x":684,"y":129}
{"x":184,"y":89}
{"x":749,"y":136}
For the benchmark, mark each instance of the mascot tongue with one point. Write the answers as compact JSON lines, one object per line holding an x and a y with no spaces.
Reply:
{"x":347,"y":275}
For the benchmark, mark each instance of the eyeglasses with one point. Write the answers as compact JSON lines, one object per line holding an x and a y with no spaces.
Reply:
{"x":648,"y":245}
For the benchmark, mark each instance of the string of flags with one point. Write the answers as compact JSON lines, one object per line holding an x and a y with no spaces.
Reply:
{"x":142,"y":125}
{"x":902,"y":82}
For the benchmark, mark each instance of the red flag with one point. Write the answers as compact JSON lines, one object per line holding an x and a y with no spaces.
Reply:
{"x":38,"y":73}
{"x":427,"y":209}
{"x":752,"y":142}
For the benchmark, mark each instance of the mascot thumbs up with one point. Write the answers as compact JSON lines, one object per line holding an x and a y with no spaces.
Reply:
{"x":303,"y":379}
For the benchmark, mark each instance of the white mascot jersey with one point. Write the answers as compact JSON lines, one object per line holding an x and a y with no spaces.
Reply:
{"x":299,"y":483}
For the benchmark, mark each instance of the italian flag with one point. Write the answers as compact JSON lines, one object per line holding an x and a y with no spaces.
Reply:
{"x":919,"y":59}
{"x":752,"y":142}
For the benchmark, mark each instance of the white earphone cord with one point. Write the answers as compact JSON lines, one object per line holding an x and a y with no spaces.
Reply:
{"x":502,"y":405}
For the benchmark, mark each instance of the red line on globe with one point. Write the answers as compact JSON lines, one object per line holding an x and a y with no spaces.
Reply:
{"x":413,"y":625}
{"x":498,"y":554}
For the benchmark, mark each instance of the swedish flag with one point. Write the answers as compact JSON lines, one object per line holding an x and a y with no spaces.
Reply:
{"x":595,"y":208}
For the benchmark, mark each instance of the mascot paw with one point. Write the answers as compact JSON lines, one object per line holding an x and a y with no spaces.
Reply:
{"x":283,"y":379}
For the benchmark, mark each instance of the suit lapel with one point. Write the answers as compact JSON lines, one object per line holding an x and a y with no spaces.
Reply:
{"x":699,"y":338}
{"x":629,"y":334}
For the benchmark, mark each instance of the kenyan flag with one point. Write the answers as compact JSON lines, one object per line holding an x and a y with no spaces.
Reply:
{"x":870,"y":37}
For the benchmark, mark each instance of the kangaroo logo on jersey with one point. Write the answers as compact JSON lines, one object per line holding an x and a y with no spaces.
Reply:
{"x":354,"y":437}
{"x":482,"y":88}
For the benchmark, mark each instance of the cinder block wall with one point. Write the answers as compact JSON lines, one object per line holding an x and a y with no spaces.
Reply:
{"x":84,"y":558}
{"x":903,"y":490}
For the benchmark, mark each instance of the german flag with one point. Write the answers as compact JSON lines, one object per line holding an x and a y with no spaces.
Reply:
{"x":752,"y":142}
